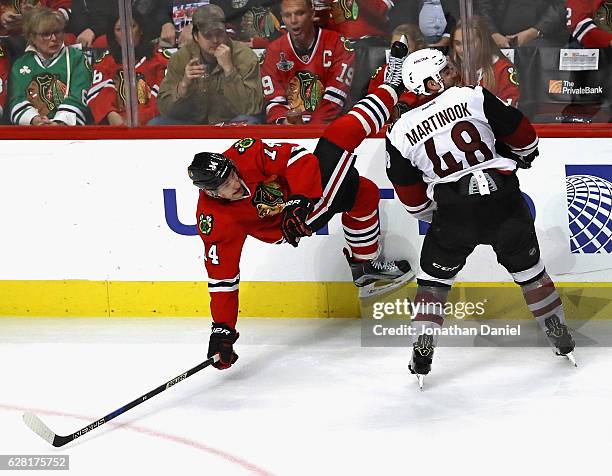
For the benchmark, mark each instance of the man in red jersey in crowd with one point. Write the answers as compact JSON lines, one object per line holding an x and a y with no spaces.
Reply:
{"x":307,"y":73}
{"x":280,"y":193}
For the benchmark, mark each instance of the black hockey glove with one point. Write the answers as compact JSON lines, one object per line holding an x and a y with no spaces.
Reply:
{"x":222,"y":338}
{"x":523,"y":162}
{"x":293,"y":220}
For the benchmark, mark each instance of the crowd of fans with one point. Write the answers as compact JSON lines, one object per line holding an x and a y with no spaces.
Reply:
{"x":258,"y":61}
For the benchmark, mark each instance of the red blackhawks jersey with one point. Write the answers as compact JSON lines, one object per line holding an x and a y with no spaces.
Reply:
{"x":506,"y":83}
{"x":590,"y":22}
{"x":5,"y":69}
{"x":356,"y":19}
{"x":269,"y":174}
{"x":15,"y":6}
{"x":316,"y":86}
{"x":107,"y":92}
{"x":454,"y":134}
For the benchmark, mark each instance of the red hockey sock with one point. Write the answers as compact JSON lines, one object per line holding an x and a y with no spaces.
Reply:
{"x":361,"y":225}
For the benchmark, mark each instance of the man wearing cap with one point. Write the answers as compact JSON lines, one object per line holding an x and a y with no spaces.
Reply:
{"x":211,"y":79}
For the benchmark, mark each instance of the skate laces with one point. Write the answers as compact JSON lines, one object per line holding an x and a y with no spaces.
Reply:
{"x":393,"y":75}
{"x":382,"y":265}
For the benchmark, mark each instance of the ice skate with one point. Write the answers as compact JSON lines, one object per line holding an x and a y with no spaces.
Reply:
{"x":393,"y":74}
{"x":422,"y":356}
{"x":375,"y":277}
{"x":559,"y":336}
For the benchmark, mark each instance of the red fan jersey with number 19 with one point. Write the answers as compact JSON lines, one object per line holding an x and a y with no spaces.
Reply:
{"x":315,"y":86}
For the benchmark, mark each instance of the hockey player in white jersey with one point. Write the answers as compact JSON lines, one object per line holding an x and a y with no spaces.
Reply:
{"x":453,"y":162}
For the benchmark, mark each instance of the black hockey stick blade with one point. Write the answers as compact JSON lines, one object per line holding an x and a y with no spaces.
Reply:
{"x":37,"y":426}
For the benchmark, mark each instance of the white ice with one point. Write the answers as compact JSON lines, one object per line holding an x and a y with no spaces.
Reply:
{"x":303,"y":399}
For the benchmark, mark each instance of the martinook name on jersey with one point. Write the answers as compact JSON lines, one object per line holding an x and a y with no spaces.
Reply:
{"x":437,"y":120}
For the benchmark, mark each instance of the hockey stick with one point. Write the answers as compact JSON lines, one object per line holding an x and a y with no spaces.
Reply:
{"x":37,"y":426}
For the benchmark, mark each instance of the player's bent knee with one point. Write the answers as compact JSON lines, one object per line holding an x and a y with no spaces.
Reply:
{"x":366,"y":199}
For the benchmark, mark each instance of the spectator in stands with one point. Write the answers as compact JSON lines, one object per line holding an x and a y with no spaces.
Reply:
{"x":590,"y":22}
{"x":106,"y":97}
{"x":363,"y":21}
{"x":494,"y":71}
{"x":211,"y":79}
{"x":5,"y":68}
{"x":435,"y":18}
{"x":415,"y":41}
{"x":11,"y":12}
{"x":516,"y":23}
{"x":90,"y":19}
{"x":11,"y":19}
{"x":256,"y":22}
{"x":306,"y":73}
{"x":48,"y":82}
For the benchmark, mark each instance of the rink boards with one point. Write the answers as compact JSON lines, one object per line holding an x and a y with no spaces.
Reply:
{"x":107,"y":228}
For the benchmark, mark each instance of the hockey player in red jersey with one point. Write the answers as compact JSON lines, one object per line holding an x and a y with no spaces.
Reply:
{"x":307,"y":73}
{"x":453,"y":162}
{"x":281,"y":193}
{"x":590,"y":22}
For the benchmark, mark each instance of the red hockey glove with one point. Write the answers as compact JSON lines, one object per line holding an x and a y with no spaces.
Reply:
{"x":222,"y":339}
{"x":293,"y":220}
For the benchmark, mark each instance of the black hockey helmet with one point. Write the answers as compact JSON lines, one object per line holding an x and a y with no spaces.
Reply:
{"x":209,"y":170}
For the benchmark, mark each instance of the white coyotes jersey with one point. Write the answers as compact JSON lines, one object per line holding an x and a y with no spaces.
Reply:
{"x":448,"y":137}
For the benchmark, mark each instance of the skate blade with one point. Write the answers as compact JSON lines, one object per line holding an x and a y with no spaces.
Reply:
{"x":571,"y":358}
{"x":420,"y":380}
{"x":371,"y":290}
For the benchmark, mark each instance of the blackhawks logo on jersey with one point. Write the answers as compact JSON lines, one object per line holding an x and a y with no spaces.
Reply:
{"x":244,"y":144}
{"x":17,"y":5}
{"x":603,"y":16}
{"x":304,"y":92}
{"x":46,"y":92}
{"x":205,"y":224}
{"x":344,"y":10}
{"x":512,"y":76}
{"x":269,"y":197}
{"x":259,"y":22}
{"x":143,"y":91}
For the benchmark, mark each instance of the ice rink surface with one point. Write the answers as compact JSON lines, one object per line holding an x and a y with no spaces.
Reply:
{"x":303,"y":399}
